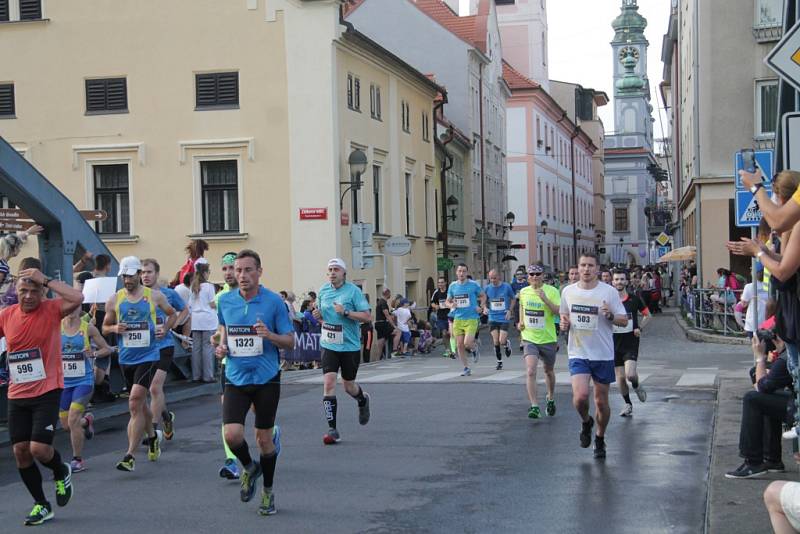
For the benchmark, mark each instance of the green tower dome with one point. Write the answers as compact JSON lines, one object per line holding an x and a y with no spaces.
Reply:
{"x":629,"y":25}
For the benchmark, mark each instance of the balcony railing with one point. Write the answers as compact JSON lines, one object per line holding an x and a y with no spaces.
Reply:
{"x":767,"y":33}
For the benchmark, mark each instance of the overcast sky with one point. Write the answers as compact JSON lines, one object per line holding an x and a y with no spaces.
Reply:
{"x":579,"y":50}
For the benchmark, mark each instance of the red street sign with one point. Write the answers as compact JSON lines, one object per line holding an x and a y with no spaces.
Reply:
{"x":344,"y":218}
{"x":94,"y":215}
{"x":311,"y":214}
{"x":15,"y":226}
{"x":518,"y":245}
{"x":13,"y":213}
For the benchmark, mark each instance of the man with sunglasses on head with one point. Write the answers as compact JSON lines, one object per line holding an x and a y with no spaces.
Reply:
{"x":538,"y":307}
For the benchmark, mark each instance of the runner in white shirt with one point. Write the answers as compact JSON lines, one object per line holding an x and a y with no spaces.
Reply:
{"x":588,"y":311}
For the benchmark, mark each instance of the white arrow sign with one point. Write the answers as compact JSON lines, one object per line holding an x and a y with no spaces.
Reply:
{"x":785,"y":57}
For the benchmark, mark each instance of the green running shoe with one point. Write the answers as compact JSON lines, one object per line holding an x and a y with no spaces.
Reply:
{"x":64,"y":487}
{"x":168,"y":419}
{"x":534,"y":412}
{"x":127,"y":464}
{"x":267,"y":503}
{"x":39,"y":514}
{"x":550,"y":409}
{"x":249,"y":480}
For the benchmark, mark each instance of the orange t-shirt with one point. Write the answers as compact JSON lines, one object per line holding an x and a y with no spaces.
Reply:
{"x":38,"y":330}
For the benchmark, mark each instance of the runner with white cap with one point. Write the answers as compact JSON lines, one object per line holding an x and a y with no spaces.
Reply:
{"x":341,"y":307}
{"x":131,"y":315}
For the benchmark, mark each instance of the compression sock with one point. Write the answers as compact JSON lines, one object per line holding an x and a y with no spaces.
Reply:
{"x":497,"y":353}
{"x":635,"y":382}
{"x":627,"y":398}
{"x":56,"y":465}
{"x":228,"y":453}
{"x":360,"y":397}
{"x":242,"y":452}
{"x":32,"y":478}
{"x":268,"y":462}
{"x":329,"y":406}
{"x":453,"y":344}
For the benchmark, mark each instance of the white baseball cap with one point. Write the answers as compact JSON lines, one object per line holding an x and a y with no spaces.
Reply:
{"x":129,"y":266}
{"x":337,"y":262}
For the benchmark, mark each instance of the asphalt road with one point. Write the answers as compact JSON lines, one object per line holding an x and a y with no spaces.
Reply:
{"x":435,"y":458}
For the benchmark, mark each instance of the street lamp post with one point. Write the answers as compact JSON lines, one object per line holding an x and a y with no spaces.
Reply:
{"x":358,"y":164}
{"x":542,"y":230}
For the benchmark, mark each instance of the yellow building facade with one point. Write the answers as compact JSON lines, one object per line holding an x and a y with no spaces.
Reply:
{"x":223,"y":121}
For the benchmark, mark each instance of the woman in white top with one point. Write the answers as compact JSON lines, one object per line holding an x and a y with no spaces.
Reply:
{"x":204,"y":323}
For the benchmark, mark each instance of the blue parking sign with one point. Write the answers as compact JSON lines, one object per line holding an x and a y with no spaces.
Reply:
{"x":764,"y":159}
{"x":747,"y":211}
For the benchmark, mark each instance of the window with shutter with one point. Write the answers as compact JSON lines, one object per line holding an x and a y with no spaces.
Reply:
{"x":111,"y":194}
{"x":217,"y":90}
{"x":106,"y":95}
{"x":7,"y":100}
{"x":30,"y":9}
{"x":220,"y":192}
{"x":4,"y":11}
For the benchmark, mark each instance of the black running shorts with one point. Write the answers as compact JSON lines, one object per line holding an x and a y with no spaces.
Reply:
{"x":236,"y":402}
{"x":140,"y":373}
{"x":347,"y":361}
{"x":34,"y":419}
{"x":165,"y":358}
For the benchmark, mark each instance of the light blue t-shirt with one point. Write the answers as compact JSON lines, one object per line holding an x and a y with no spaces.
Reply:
{"x":340,"y":333}
{"x":466,"y":298}
{"x":252,"y":359}
{"x":500,"y":299}
{"x":177,"y":303}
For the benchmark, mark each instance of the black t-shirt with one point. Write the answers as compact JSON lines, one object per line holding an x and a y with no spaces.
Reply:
{"x":623,"y":335}
{"x":380,"y":307}
{"x":439,"y":298}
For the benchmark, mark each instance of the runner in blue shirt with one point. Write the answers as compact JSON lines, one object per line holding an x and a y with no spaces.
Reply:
{"x":500,"y":298}
{"x":341,"y":307}
{"x":462,"y":297}
{"x":253,"y":326}
{"x":166,"y":346}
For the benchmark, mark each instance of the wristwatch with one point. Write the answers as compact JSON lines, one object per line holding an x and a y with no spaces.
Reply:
{"x":760,"y":253}
{"x":755,"y":187}
{"x":610,"y":316}
{"x":346,"y":313}
{"x":47,"y":281}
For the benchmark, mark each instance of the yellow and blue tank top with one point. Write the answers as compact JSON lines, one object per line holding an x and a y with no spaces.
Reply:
{"x":138,"y":343}
{"x":75,"y":357}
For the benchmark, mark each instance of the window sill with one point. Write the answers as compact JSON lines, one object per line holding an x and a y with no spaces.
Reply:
{"x":377,"y":118}
{"x":412,"y":237}
{"x":26,"y":21}
{"x":7,"y":117}
{"x":380,"y":237}
{"x":106,"y":112}
{"x":221,"y":107}
{"x":233,"y":236}
{"x":357,"y":110}
{"x":122,"y":238}
{"x":430,"y":239}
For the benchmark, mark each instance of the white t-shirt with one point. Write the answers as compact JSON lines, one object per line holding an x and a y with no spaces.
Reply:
{"x":183,"y":291}
{"x":747,"y":297}
{"x":204,"y":317}
{"x":590,"y":334}
{"x":403,"y":315}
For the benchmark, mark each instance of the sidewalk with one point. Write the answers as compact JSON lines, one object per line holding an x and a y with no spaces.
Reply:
{"x":737,"y":505}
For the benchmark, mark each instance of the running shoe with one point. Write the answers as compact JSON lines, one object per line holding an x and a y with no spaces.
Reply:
{"x":168,"y":419}
{"x":475,"y":355}
{"x":534,"y":412}
{"x":641,"y":393}
{"x":586,"y":432}
{"x":790,"y":434}
{"x":499,"y":366}
{"x":627,"y":411}
{"x":363,"y":411}
{"x":276,"y":439}
{"x":127,"y":464}
{"x":88,"y":430}
{"x":64,"y":487}
{"x":747,"y":471}
{"x":229,"y":470}
{"x":39,"y":514}
{"x":774,"y":467}
{"x":550,"y":409}
{"x":599,"y":448}
{"x":267,"y":503}
{"x":331,"y":437}
{"x":466,"y":372}
{"x":249,"y":479}
{"x":508,"y":348}
{"x":77,"y":465}
{"x":154,"y":447}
